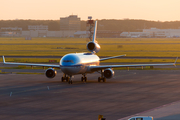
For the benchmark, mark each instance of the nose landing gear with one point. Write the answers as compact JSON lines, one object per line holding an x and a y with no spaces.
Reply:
{"x":70,"y":80}
{"x":65,"y":78}
{"x":102,"y":77}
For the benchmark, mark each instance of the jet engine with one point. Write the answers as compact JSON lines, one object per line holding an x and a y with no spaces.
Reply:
{"x":108,"y":73}
{"x":50,"y":73}
{"x":93,"y":47}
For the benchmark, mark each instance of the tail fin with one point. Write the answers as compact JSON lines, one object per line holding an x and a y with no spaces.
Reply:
{"x":93,"y":46}
{"x":95,"y":30}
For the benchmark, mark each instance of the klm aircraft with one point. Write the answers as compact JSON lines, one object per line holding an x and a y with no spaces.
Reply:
{"x":84,"y":63}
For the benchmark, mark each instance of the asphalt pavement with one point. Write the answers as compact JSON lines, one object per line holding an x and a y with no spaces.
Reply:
{"x":30,"y":96}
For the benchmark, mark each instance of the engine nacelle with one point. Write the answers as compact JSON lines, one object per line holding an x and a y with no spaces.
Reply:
{"x":50,"y":73}
{"x":108,"y":73}
{"x":93,"y":47}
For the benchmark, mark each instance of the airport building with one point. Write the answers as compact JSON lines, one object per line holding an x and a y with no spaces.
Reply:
{"x":71,"y":23}
{"x":10,"y":31}
{"x":134,"y":34}
{"x":69,"y":27}
{"x":38,"y":27}
{"x":162,"y":33}
{"x":81,"y":34}
{"x":48,"y":33}
{"x":153,"y":33}
{"x":108,"y":34}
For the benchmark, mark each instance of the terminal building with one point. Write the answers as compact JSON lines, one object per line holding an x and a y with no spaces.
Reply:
{"x":36,"y":31}
{"x":38,"y":27}
{"x":153,"y":33}
{"x":71,"y":23}
{"x":71,"y":27}
{"x":68,"y":26}
{"x":10,"y":31}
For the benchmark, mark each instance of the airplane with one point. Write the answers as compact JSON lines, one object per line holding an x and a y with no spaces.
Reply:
{"x":84,"y":63}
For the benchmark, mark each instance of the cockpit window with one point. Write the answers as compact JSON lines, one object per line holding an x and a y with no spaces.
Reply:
{"x":132,"y":119}
{"x":71,"y":61}
{"x":139,"y":118}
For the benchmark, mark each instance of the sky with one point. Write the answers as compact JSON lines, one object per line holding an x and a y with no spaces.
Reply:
{"x":155,"y":10}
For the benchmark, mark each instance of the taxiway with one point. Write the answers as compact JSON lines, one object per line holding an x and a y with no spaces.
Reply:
{"x":28,"y":96}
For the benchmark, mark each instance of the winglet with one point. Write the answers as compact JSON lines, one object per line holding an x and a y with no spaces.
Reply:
{"x":175,"y":62}
{"x":4,"y":59}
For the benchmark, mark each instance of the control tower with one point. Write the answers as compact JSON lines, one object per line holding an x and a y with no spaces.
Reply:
{"x":89,"y":27}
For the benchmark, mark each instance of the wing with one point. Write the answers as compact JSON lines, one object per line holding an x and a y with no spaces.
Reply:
{"x":112,"y":57}
{"x":30,"y":64}
{"x":95,"y":68}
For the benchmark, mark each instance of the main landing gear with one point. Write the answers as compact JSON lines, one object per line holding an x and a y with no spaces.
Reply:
{"x":69,"y":78}
{"x":84,"y":78}
{"x":102,"y":77}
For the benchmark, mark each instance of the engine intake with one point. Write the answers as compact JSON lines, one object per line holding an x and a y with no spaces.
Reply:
{"x":108,"y":73}
{"x":93,"y":47}
{"x":50,"y":73}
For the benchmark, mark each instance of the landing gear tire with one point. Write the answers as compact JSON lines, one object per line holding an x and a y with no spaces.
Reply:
{"x":101,"y":78}
{"x":67,"y":79}
{"x":84,"y":79}
{"x":104,"y":79}
{"x":70,"y":82}
{"x":62,"y":79}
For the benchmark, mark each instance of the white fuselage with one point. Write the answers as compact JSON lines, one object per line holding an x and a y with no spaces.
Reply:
{"x":78,"y":63}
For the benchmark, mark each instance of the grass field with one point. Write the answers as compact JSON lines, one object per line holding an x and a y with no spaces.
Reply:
{"x":145,"y":47}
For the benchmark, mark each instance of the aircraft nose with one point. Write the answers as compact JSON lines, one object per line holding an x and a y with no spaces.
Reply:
{"x":69,"y":70}
{"x":65,"y":70}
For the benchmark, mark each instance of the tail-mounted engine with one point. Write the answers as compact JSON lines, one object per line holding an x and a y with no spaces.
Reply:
{"x":93,"y":47}
{"x":108,"y":73}
{"x":50,"y":73}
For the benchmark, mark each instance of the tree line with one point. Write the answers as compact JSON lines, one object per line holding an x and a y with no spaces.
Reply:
{"x":129,"y":25}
